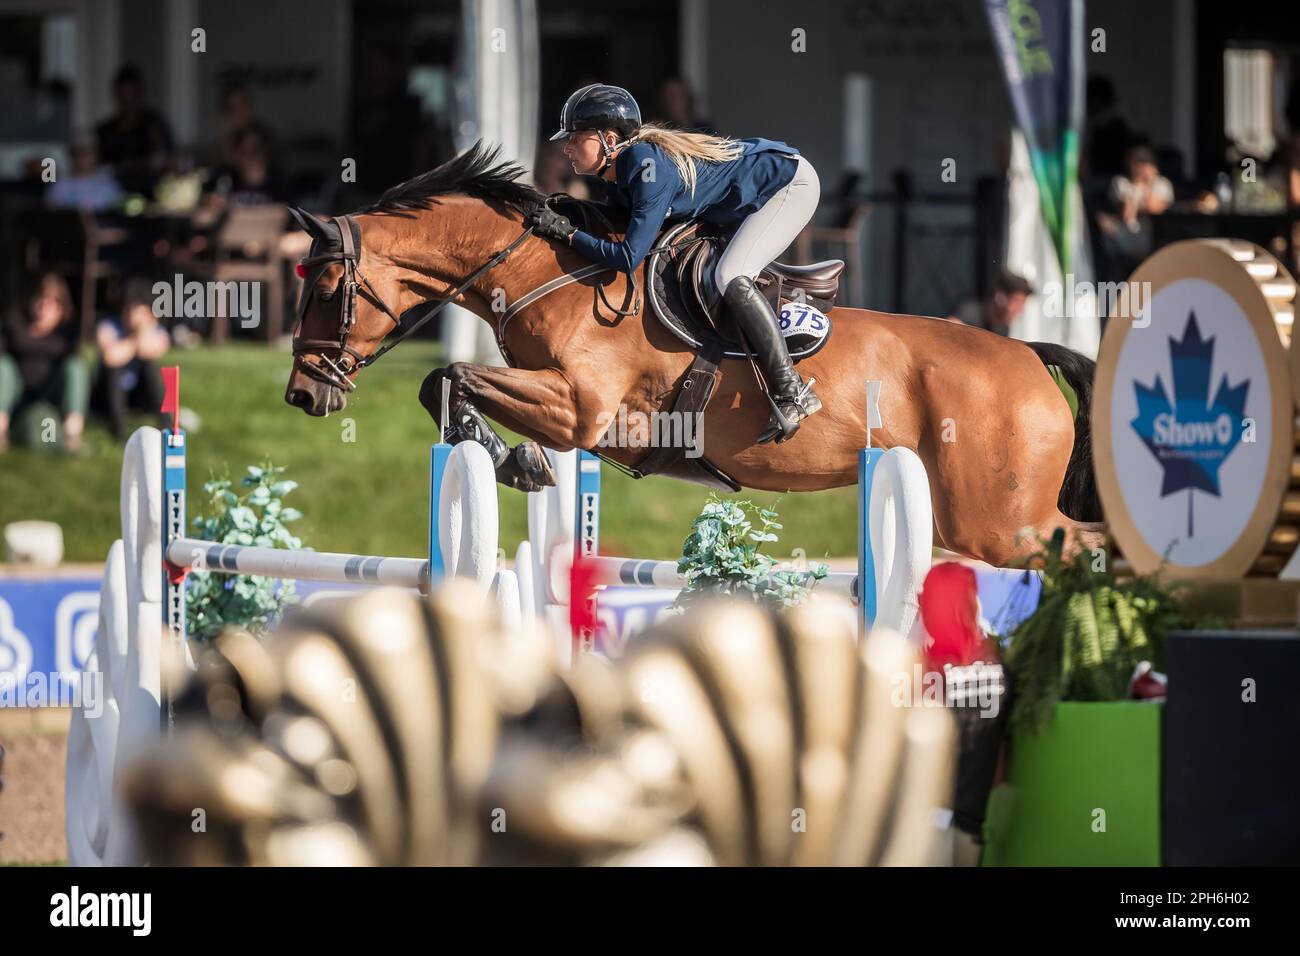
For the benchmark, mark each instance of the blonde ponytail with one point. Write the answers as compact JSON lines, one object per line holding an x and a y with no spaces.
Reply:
{"x":683,"y":147}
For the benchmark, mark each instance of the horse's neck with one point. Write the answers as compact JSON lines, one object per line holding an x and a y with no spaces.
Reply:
{"x":439,"y":250}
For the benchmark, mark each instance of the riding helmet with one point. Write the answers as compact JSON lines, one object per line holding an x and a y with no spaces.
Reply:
{"x":600,"y":107}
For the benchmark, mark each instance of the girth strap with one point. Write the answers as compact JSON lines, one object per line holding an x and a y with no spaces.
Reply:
{"x":692,"y":399}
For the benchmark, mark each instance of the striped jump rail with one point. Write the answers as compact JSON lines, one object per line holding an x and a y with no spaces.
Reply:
{"x":323,"y":566}
{"x":609,"y":571}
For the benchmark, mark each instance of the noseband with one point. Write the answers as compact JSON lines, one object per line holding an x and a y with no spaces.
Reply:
{"x":347,"y":361}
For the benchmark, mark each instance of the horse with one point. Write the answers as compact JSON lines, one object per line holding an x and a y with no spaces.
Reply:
{"x":1004,"y":453}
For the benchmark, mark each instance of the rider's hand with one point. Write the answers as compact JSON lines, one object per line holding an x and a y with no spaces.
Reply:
{"x":547,"y":222}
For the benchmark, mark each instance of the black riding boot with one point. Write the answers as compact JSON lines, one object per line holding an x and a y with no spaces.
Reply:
{"x":794,"y":400}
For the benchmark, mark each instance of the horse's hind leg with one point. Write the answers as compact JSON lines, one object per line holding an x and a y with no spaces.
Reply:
{"x":538,"y":404}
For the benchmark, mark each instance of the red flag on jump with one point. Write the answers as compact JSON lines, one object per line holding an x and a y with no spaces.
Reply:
{"x":582,"y":597}
{"x":172,"y":394}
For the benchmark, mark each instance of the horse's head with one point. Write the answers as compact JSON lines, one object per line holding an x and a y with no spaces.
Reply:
{"x":342,"y":316}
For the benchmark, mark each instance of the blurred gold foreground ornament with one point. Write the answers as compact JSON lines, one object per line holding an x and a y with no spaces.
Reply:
{"x":390,"y":730}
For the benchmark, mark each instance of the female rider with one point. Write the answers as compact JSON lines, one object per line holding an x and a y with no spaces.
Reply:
{"x":657,"y":172}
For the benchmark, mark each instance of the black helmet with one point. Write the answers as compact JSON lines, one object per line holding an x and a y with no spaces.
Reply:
{"x":600,"y":107}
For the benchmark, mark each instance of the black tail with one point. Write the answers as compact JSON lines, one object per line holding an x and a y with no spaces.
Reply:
{"x":1078,"y":498}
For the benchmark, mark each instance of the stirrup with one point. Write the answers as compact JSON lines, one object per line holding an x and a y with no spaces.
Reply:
{"x":790,"y":413}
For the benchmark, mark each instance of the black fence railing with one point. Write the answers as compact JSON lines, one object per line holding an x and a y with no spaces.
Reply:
{"x":944,"y":246}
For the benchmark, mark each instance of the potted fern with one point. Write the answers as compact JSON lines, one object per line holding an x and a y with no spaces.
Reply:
{"x":1083,"y":777}
{"x":723,"y":555}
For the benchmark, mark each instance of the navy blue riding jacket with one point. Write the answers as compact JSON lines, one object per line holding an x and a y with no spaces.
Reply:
{"x":724,"y":192}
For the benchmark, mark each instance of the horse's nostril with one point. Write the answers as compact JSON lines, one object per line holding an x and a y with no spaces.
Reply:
{"x":298,"y":397}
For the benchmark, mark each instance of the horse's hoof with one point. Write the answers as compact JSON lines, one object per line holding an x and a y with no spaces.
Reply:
{"x":527,"y":469}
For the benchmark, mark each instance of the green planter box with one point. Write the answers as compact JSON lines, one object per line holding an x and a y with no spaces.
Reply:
{"x":1092,"y":757}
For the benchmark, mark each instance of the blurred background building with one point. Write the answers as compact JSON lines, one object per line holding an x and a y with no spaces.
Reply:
{"x":884,"y":94}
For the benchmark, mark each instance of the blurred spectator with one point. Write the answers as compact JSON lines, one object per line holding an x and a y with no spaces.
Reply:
{"x":250,"y":179}
{"x":53,"y":108}
{"x":39,"y":363}
{"x":135,"y":140}
{"x":1141,"y":189}
{"x":1010,"y":293}
{"x":236,"y":117}
{"x":1134,"y":196}
{"x":553,"y":173}
{"x":675,"y":104}
{"x":129,"y":349}
{"x":88,"y":185}
{"x":1107,"y":136}
{"x":391,"y":140}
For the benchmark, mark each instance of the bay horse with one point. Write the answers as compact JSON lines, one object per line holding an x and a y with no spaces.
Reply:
{"x":1003,"y":452}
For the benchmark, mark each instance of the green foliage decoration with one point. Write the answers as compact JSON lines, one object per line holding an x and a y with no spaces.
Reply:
{"x":257,"y":517}
{"x":723,"y":555}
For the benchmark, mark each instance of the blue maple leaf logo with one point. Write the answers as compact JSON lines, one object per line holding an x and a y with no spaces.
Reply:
{"x":1190,"y":434}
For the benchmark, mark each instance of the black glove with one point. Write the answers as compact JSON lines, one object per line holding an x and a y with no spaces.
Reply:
{"x":547,"y":222}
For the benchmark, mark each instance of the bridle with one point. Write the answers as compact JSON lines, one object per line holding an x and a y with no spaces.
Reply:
{"x":335,"y":370}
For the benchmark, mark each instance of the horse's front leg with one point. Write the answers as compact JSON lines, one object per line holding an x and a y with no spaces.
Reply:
{"x":539,"y":404}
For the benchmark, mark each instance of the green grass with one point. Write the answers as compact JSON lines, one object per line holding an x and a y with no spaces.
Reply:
{"x":36,"y":863}
{"x":369,"y":494}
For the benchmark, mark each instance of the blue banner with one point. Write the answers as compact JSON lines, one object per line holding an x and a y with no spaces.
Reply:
{"x":47,"y":629}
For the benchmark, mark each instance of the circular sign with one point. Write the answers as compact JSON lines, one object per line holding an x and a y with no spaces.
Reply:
{"x":1193,"y":417}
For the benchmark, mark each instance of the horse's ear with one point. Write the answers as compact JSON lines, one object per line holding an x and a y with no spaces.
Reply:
{"x":309,"y":223}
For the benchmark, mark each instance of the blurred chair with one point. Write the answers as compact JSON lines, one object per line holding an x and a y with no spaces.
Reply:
{"x":68,"y":242}
{"x":247,"y":249}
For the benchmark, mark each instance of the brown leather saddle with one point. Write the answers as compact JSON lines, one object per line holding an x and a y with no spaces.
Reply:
{"x":685,"y":299}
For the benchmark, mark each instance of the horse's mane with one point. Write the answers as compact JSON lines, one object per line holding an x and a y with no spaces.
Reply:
{"x":478,"y":172}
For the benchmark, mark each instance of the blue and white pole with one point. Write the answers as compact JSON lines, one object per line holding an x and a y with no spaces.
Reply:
{"x":439,"y":455}
{"x":173,"y":585}
{"x":868,"y":459}
{"x":586,"y":534}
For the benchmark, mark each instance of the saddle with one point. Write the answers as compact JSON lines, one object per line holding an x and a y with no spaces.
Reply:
{"x":681,"y":290}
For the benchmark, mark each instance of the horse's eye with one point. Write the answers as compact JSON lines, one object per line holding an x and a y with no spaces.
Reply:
{"x":327,"y":295}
